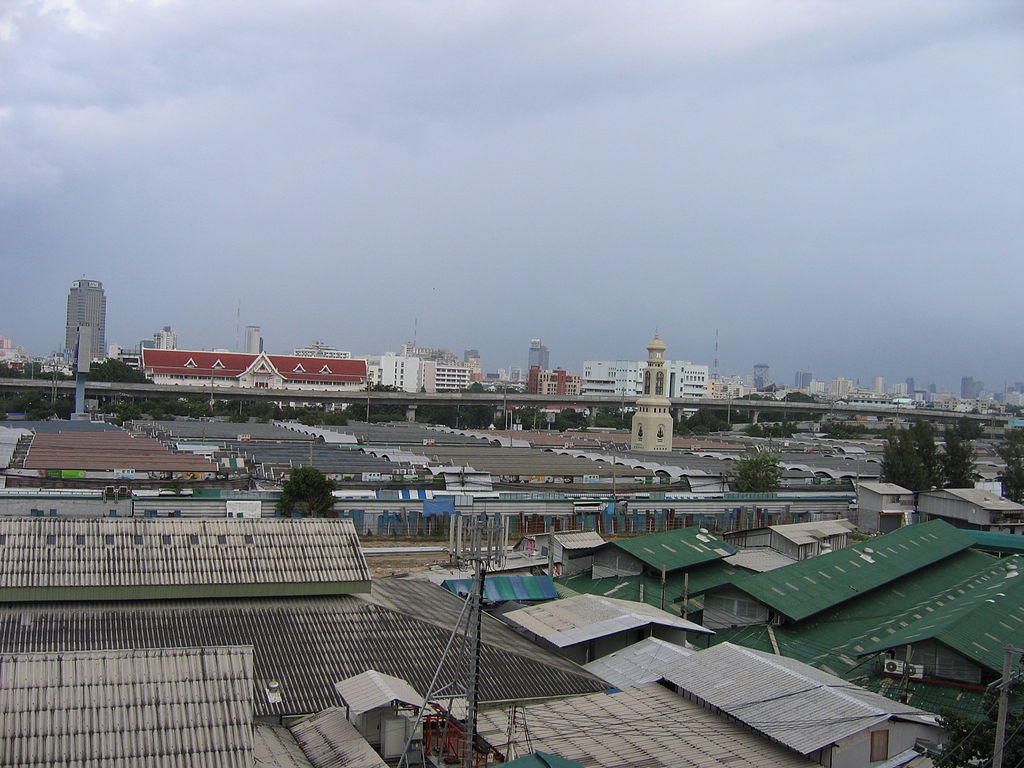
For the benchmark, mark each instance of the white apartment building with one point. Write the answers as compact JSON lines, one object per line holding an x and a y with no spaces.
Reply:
{"x":413,"y":374}
{"x":624,"y":378}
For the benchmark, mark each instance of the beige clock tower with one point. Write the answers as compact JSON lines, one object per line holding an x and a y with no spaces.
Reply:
{"x":652,"y":422}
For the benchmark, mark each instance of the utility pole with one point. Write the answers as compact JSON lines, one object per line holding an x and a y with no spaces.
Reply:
{"x":1004,"y":699}
{"x":476,"y":598}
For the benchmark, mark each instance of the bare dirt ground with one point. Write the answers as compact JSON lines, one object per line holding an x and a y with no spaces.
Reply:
{"x":413,"y":563}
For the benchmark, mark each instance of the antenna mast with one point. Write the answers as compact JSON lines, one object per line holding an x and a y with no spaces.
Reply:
{"x":714,"y":372}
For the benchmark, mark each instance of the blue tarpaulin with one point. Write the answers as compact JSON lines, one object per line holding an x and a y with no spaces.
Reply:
{"x":443,"y":506}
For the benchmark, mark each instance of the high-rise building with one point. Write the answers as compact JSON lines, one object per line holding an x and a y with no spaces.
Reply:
{"x":253,"y":340}
{"x":910,"y":384}
{"x":87,"y":306}
{"x":878,"y":385}
{"x":165,"y":338}
{"x":802,"y":380}
{"x":970,"y":388}
{"x":539,"y":356}
{"x":761,"y":379}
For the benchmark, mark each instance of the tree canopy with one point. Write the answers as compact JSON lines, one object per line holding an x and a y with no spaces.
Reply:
{"x":958,"y":460}
{"x":308,"y":488}
{"x":758,"y":473}
{"x":970,"y":741}
{"x":115,"y":370}
{"x":1011,"y":451}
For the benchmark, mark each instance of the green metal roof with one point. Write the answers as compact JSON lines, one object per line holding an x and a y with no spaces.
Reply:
{"x":542,"y":760}
{"x":498,"y":589}
{"x":672,"y":550}
{"x":701,"y":578}
{"x":818,"y":583}
{"x":1004,"y":543}
{"x":836,"y":639}
{"x":978,"y":623}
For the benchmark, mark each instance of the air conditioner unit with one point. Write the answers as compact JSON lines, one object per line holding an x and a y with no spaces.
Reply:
{"x":917,"y":671}
{"x":893,"y":667}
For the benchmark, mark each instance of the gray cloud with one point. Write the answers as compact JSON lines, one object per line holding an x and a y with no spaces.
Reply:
{"x":835,"y":186}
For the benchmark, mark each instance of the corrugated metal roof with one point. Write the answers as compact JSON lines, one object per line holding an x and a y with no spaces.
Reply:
{"x":128,"y":708}
{"x":832,"y":640}
{"x":882,"y":488}
{"x":574,"y":620}
{"x":694,"y":581}
{"x":671,"y":550}
{"x":307,"y":643}
{"x":978,"y":623}
{"x":1007,"y":543}
{"x":808,"y":533}
{"x":372,"y":689}
{"x":275,"y":747}
{"x":499,"y":588}
{"x":788,"y":701}
{"x":976,"y":496}
{"x":639,"y":663}
{"x":50,"y":558}
{"x":579,"y":539}
{"x":331,"y":741}
{"x":809,"y":586}
{"x":644,"y":727}
{"x":759,"y":560}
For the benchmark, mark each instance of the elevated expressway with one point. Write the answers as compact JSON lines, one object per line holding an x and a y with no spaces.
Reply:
{"x":107,"y":392}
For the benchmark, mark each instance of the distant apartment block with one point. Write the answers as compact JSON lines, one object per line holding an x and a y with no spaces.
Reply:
{"x":538,"y":356}
{"x":414,"y":374}
{"x":624,"y":378}
{"x":557,"y":382}
{"x":259,"y":371}
{"x":253,"y":340}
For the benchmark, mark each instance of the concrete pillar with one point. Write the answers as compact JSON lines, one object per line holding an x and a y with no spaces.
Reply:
{"x":410,"y":413}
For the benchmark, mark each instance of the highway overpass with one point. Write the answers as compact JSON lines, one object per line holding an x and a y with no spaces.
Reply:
{"x":107,"y":392}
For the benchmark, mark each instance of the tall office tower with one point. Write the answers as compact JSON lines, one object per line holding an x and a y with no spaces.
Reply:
{"x":87,"y":306}
{"x":878,"y":385}
{"x":165,"y":338}
{"x":802,"y":380}
{"x":970,"y":388}
{"x":910,"y":384}
{"x":761,"y":376}
{"x":539,"y":356}
{"x":253,"y":340}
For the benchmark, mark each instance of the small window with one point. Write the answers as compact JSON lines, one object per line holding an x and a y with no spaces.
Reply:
{"x":166,"y":539}
{"x":3,"y":538}
{"x":250,"y":539}
{"x":109,"y":538}
{"x":51,"y":538}
{"x":193,"y":538}
{"x":138,"y":538}
{"x":222,"y":539}
{"x":79,"y":539}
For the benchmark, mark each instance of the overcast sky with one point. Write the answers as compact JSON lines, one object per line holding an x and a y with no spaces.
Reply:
{"x":836,"y":186}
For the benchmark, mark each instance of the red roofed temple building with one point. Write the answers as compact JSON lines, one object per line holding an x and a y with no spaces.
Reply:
{"x":256,"y":371}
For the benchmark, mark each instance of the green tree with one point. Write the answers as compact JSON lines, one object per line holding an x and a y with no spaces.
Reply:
{"x":757,"y":473}
{"x":115,"y":370}
{"x":970,"y":740}
{"x":924,"y":436}
{"x":1011,"y":451}
{"x":958,"y":460}
{"x":798,"y":397}
{"x":901,"y":464}
{"x":969,"y":429}
{"x":307,"y":488}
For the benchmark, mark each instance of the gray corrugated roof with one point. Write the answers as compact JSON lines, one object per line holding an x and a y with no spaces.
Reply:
{"x":759,"y":560}
{"x":788,"y":701}
{"x":579,"y":539}
{"x":306,"y":643}
{"x":372,"y":689}
{"x":51,"y":558}
{"x":646,"y":726}
{"x":577,"y":619}
{"x":808,"y":533}
{"x":331,"y":741}
{"x":128,"y":708}
{"x":640,"y":663}
{"x":275,"y":747}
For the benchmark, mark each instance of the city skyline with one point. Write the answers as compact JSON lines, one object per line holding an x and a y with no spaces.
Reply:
{"x":831,"y":188}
